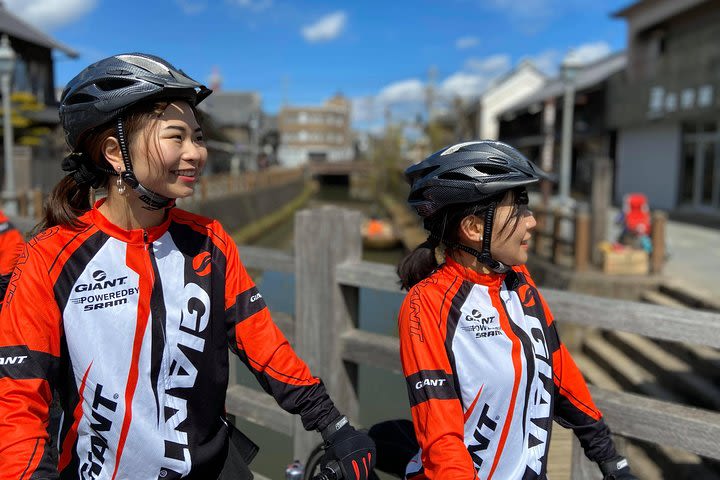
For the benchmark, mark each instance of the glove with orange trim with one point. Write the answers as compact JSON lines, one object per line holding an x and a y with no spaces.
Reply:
{"x":353,"y":450}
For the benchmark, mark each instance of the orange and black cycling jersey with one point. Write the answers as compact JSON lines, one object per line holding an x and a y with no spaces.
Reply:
{"x":486,"y":375}
{"x":132,"y":329}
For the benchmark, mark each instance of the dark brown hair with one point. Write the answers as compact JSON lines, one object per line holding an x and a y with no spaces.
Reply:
{"x":69,"y":200}
{"x":444,"y":227}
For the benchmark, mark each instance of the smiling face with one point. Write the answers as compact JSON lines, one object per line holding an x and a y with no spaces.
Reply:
{"x":169,"y":154}
{"x":510,"y":244}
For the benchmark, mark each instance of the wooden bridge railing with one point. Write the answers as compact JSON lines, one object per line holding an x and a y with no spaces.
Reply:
{"x":328,"y":275}
{"x":564,"y":237}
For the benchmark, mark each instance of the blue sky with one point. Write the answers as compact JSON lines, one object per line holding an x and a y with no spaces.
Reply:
{"x":378,"y":53}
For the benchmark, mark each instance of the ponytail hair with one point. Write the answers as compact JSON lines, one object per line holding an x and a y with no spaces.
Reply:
{"x":444,"y":228}
{"x":65,"y":204}
{"x":418,"y":264}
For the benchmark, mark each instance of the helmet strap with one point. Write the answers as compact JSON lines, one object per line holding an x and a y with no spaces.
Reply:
{"x":152,"y":200}
{"x":484,"y":255}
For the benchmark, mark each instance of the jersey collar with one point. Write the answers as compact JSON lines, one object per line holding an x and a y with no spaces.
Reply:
{"x":136,"y":236}
{"x":490,"y":279}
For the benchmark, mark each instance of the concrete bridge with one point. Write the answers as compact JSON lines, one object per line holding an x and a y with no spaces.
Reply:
{"x":345,"y":168}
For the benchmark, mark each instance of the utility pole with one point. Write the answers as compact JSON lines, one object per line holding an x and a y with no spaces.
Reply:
{"x":430,"y":93}
{"x":285,"y":86}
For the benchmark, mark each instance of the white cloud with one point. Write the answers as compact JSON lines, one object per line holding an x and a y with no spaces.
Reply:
{"x":492,"y":64}
{"x":475,"y":77}
{"x":411,"y":90}
{"x":466,"y":42}
{"x":547,"y":61}
{"x":406,"y":98}
{"x":465,"y":85}
{"x":191,"y":8}
{"x":588,"y":52}
{"x":524,"y":8}
{"x":326,"y":28}
{"x":255,"y":5}
{"x":365,"y":109}
{"x":50,"y":14}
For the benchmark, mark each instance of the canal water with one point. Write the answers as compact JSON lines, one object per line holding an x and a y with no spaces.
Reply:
{"x":382,"y":394}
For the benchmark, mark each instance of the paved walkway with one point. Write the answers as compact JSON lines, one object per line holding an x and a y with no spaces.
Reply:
{"x":694,"y":257}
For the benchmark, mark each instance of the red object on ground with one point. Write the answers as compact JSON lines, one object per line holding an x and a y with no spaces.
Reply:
{"x":636,"y":213}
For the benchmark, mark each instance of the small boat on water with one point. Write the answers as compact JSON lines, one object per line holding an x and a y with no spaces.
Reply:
{"x":379,"y":234}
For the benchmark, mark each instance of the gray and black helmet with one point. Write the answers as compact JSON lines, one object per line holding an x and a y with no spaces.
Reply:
{"x":102,"y":93}
{"x":109,"y":87}
{"x":467,"y":173}
{"x":470,"y":173}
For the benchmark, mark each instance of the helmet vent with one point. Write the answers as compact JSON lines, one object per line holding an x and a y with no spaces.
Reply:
{"x":110,"y":84}
{"x":489,"y":170}
{"x":79,"y":98}
{"x":453,"y":176}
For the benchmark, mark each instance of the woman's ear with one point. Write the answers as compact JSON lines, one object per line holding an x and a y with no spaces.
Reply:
{"x":113,"y":154}
{"x":471,"y":229}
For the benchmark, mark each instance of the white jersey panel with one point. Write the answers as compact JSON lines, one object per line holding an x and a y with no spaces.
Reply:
{"x":99,"y":322}
{"x":144,"y":419}
{"x":477,"y":344}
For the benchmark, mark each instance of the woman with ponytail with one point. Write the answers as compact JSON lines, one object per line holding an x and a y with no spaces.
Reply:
{"x":486,"y":371}
{"x":127,"y":307}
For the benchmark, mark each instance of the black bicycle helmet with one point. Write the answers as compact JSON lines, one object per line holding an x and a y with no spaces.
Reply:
{"x":468,"y":172}
{"x":478,"y":172}
{"x":105,"y":90}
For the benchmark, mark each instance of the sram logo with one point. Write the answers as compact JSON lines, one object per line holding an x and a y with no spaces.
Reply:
{"x":430,"y":382}
{"x":12,"y":360}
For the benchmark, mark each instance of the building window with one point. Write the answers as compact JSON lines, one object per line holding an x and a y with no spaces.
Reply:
{"x":700,"y":165}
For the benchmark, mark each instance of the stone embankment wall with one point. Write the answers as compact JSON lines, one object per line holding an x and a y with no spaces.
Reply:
{"x":236,"y":211}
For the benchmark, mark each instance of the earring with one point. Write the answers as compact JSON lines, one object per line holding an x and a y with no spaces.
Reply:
{"x":120,"y":185}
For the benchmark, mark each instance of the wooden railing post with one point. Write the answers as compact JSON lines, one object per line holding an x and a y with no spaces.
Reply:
{"x":657,"y":237}
{"x":324,"y":310}
{"x":540,"y":230}
{"x":22,"y":202}
{"x":37,"y":201}
{"x":601,"y":197}
{"x":557,"y":232}
{"x":582,"y":239}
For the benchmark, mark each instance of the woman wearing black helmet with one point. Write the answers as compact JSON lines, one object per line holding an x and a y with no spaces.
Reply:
{"x":486,"y":372}
{"x":127,"y":307}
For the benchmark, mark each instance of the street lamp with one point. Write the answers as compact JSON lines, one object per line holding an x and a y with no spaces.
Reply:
{"x":7,"y":64}
{"x":568,"y":71}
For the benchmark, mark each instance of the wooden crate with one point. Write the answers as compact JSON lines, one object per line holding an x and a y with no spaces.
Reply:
{"x":626,"y":262}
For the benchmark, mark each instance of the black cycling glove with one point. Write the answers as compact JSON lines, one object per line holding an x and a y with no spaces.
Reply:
{"x":353,"y":450}
{"x":616,"y":469}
